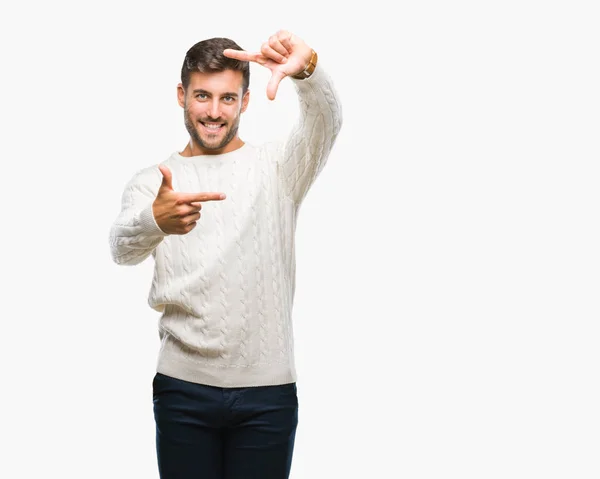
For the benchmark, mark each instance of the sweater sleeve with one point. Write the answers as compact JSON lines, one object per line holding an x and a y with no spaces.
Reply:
{"x":307,"y":148}
{"x":134,"y":234}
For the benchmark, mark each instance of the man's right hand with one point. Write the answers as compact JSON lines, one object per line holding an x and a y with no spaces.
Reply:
{"x":177,"y":213}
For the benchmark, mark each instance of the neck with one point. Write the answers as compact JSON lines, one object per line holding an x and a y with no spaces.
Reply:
{"x":193,"y":149}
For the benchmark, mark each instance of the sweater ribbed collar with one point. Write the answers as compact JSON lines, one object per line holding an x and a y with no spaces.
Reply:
{"x":213,"y":159}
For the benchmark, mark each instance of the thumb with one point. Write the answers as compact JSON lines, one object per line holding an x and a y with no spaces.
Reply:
{"x":167,"y":178}
{"x":276,"y":77}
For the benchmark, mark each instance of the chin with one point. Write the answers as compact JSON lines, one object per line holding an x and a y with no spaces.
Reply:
{"x":215,"y":140}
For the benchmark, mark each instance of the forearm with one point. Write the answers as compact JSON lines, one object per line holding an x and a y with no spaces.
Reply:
{"x":135,"y":234}
{"x":313,"y":136}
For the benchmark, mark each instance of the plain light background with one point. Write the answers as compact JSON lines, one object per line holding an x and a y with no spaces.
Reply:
{"x":446,"y":311}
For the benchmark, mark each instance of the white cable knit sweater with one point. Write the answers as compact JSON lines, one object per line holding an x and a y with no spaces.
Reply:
{"x":226,"y":289}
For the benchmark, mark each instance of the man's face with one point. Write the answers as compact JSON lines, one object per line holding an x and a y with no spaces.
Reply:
{"x":213,"y":103}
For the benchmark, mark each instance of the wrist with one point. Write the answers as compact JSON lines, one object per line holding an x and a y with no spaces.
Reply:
{"x":148,"y":222}
{"x":309,"y":68}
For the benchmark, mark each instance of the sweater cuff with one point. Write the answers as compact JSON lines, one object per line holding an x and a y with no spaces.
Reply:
{"x":318,"y":76}
{"x":148,"y":223}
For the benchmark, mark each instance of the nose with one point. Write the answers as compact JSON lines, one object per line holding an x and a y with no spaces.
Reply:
{"x":214,"y":109}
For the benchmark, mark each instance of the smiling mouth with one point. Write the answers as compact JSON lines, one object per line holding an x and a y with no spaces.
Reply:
{"x":211,"y":127}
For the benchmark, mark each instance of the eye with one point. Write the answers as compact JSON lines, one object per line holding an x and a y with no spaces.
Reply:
{"x":229,"y":98}
{"x":201,"y":96}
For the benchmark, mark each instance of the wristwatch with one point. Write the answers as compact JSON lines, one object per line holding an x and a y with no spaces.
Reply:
{"x":309,"y":69}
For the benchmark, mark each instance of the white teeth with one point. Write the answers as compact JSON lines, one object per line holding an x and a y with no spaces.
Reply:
{"x":212,"y":126}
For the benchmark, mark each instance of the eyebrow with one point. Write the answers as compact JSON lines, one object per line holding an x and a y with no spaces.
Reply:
{"x":199,"y":90}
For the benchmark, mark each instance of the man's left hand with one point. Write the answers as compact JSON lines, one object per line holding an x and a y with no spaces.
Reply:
{"x":284,"y":54}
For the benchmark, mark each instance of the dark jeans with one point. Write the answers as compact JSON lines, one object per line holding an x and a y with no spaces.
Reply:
{"x":206,"y":432}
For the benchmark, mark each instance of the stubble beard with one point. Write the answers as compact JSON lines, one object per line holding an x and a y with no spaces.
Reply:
{"x":192,"y":129}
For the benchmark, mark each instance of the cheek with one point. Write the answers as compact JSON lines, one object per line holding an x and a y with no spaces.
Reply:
{"x":192,"y":108}
{"x":234,"y":112}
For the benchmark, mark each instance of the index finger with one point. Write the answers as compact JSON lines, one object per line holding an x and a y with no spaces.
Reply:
{"x":241,"y":55}
{"x":193,"y":197}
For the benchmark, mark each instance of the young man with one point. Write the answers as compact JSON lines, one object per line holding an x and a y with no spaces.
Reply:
{"x":219,"y":220}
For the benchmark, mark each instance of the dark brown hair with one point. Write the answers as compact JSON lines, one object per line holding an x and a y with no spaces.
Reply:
{"x":207,"y":57}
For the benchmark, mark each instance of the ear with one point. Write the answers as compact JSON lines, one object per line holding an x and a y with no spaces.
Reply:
{"x":245,"y":100}
{"x":181,"y":95}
